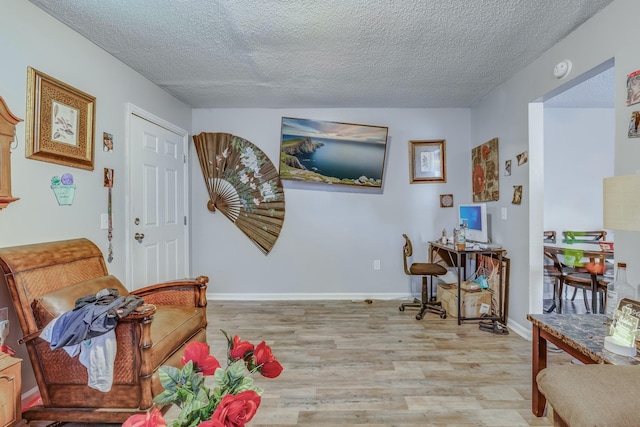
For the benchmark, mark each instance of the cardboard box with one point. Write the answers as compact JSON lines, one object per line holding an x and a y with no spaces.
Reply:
{"x":475,"y":301}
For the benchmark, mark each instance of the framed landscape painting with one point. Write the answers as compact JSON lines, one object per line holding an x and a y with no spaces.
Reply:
{"x":332,"y":152}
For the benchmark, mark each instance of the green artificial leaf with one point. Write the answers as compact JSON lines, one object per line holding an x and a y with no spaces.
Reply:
{"x":166,"y":397}
{"x":219,"y":376}
{"x":236,"y":371}
{"x":243,"y":385}
{"x":169,"y":377}
{"x":187,"y":369}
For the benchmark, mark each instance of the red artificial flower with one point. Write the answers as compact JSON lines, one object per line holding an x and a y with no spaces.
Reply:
{"x":152,"y":418}
{"x":239,"y":348}
{"x":198,"y":352}
{"x":211,"y":423}
{"x":267,"y":364}
{"x":478,"y":179}
{"x":235,"y":410}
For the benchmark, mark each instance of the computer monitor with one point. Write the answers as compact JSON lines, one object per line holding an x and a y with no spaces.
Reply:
{"x":474,"y":215}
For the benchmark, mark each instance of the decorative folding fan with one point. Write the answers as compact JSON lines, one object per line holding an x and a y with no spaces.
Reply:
{"x":243,"y":184}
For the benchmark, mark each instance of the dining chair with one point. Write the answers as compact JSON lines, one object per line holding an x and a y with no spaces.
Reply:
{"x":553,"y":270}
{"x":577,"y":278}
{"x":581,"y":278}
{"x":427,"y":270}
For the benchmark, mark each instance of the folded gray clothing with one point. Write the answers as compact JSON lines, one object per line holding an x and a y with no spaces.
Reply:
{"x":103,"y":297}
{"x":130,"y":303}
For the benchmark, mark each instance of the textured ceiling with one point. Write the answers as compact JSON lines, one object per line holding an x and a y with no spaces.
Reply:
{"x":329,"y":53}
{"x":596,"y":92}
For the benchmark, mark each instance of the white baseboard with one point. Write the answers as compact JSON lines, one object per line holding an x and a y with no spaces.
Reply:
{"x":212,"y":296}
{"x":29,"y":396}
{"x":523,"y":331}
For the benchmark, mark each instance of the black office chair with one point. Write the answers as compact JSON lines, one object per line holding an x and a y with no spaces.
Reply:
{"x":427,"y":270}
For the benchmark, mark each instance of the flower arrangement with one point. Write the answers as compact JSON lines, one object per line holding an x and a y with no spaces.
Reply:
{"x":232,"y":402}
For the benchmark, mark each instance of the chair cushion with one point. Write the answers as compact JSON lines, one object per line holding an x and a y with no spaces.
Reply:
{"x":592,"y":395}
{"x":49,"y":306}
{"x":426,"y":268}
{"x":172,"y":326}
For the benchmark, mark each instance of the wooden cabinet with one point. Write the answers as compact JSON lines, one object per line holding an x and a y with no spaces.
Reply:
{"x":10,"y":391}
{"x":7,"y":129}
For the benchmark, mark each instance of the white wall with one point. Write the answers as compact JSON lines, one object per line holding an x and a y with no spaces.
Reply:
{"x":32,"y":38}
{"x":505,"y":113}
{"x":578,"y":154}
{"x":330,"y":238}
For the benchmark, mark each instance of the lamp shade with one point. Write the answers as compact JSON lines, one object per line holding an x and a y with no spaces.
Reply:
{"x":621,"y":203}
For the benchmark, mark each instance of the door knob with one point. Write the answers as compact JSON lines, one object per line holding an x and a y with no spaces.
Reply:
{"x":139,"y":237}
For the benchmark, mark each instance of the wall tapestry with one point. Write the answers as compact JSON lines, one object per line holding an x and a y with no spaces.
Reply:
{"x":332,"y":152}
{"x":243,"y":184}
{"x":485,"y":172}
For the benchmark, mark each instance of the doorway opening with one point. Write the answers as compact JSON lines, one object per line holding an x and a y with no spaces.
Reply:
{"x":571,"y":144}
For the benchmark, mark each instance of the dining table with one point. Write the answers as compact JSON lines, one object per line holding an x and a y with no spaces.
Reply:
{"x":590,"y":261}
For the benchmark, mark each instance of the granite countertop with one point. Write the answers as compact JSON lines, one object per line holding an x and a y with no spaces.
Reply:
{"x":582,"y":332}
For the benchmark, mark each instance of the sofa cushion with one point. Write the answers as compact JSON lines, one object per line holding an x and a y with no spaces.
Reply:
{"x":49,"y":306}
{"x":592,"y":395}
{"x":171,"y":327}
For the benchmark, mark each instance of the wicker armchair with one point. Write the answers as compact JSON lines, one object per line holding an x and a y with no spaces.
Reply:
{"x":44,"y":281}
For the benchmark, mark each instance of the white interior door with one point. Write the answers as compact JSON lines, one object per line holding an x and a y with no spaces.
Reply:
{"x":157,"y":229}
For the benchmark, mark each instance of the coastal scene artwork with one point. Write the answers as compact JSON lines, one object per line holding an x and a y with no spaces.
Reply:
{"x":332,"y":152}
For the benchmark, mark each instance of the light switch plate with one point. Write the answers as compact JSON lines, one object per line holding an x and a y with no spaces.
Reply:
{"x":504,"y":213}
{"x":104,"y":221}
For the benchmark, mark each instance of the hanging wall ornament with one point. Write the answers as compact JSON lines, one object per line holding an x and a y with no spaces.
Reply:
{"x":243,"y":184}
{"x":108,"y":182}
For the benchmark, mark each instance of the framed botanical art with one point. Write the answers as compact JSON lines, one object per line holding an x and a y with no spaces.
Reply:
{"x":60,"y":122}
{"x":485,"y":172}
{"x":427,"y":161}
{"x":332,"y":152}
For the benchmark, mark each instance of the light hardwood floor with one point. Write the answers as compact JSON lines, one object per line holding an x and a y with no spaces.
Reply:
{"x":353,"y":364}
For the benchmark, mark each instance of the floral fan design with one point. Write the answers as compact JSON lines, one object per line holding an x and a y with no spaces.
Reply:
{"x":243,"y":184}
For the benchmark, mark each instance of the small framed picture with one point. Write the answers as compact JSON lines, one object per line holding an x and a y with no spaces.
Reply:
{"x":634,"y":124}
{"x":108,"y":177}
{"x":507,"y":167}
{"x":427,"y":161}
{"x":107,"y":142}
{"x":446,"y":200}
{"x":517,"y":195}
{"x":522,"y":158}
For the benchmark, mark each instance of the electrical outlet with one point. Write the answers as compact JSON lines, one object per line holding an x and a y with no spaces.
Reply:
{"x":376,"y":264}
{"x":104,"y":221}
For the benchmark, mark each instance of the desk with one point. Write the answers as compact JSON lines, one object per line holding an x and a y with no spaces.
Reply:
{"x":580,"y":335}
{"x":594,"y":256}
{"x":460,"y":262}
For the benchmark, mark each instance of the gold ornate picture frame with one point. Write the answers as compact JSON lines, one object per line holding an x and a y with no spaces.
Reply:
{"x":427,"y":161}
{"x":60,"y":122}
